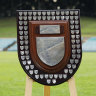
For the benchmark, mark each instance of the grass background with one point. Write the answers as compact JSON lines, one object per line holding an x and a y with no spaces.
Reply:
{"x":8,"y":27}
{"x":12,"y":77}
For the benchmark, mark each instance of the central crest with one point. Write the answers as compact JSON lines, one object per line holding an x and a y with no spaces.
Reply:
{"x":50,"y":41}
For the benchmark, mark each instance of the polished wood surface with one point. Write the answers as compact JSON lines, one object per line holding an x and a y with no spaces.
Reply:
{"x":64,"y":32}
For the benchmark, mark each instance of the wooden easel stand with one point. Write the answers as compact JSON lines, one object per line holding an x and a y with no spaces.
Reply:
{"x":29,"y":82}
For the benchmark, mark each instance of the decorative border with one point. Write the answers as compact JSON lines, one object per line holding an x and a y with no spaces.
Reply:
{"x":73,"y":16}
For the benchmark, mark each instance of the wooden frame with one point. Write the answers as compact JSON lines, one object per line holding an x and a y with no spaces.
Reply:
{"x":29,"y":82}
{"x":33,"y":28}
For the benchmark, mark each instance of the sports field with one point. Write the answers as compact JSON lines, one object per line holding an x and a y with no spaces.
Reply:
{"x":12,"y":76}
{"x":8,"y":27}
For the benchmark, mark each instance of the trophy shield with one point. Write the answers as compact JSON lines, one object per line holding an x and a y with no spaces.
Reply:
{"x":49,"y":44}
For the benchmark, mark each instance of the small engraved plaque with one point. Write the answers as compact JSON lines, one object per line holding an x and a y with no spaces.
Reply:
{"x":49,"y":29}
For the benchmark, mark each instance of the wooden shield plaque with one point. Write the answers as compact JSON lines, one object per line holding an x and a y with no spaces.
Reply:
{"x":49,"y":44}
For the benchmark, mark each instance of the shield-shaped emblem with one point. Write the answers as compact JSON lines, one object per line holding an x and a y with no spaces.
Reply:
{"x":49,"y":44}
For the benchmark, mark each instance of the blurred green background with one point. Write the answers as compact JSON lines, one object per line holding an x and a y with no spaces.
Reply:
{"x":12,"y":76}
{"x":8,"y":27}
